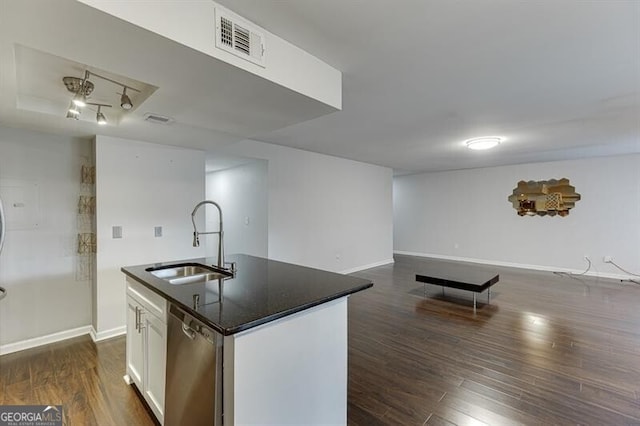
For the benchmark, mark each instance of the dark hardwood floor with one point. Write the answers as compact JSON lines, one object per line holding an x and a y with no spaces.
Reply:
{"x":85,"y":378}
{"x":548,"y":350}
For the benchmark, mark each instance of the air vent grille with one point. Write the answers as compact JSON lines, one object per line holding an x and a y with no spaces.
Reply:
{"x":226,"y":32}
{"x":243,"y":40}
{"x":239,"y":37}
{"x":157,"y":118}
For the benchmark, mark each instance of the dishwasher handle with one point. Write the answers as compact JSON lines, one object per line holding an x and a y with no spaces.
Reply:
{"x":188,"y":331}
{"x":190,"y":326}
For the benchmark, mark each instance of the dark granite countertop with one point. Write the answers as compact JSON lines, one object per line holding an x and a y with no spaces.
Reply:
{"x":261,"y":291}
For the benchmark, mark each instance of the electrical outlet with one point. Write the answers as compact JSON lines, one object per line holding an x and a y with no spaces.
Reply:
{"x":157,"y":231}
{"x":116,"y":232}
{"x":607,"y":259}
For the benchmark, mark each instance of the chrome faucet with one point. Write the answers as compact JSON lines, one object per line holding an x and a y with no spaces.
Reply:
{"x":220,"y":232}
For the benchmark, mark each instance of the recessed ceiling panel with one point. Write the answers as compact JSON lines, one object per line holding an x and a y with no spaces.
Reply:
{"x":40,"y":87}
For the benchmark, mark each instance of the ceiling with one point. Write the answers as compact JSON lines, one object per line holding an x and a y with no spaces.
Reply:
{"x":558,"y":80}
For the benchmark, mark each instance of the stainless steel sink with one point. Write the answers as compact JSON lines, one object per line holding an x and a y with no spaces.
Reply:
{"x":188,"y":273}
{"x":177,"y":271}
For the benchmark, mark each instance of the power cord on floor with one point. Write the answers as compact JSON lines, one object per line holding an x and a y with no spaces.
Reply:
{"x":626,"y":272}
{"x":571,"y":274}
{"x":622,"y":269}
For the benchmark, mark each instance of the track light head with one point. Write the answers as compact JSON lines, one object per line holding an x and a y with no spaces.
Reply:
{"x":100,"y":118}
{"x":125,"y":101}
{"x":80,"y":99}
{"x":73,"y":111}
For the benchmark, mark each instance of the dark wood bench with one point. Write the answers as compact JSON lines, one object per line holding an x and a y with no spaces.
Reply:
{"x":462,"y":277}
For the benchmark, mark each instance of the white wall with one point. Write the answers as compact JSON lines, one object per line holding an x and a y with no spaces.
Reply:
{"x":38,"y":263}
{"x":242,"y":193}
{"x":192,"y":24}
{"x":465,"y":214}
{"x":325,"y":212}
{"x":139,"y":186}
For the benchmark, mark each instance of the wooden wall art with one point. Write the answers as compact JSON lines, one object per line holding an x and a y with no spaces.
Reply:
{"x":544,"y":197}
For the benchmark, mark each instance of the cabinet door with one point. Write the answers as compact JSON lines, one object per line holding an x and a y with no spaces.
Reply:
{"x":135,"y":344}
{"x":155,"y":363}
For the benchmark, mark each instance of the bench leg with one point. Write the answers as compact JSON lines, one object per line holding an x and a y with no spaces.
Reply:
{"x":489,"y":296}
{"x":443,"y":290}
{"x":474,"y":302}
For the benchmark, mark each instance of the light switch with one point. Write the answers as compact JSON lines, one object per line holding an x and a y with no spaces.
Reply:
{"x":157,"y":231}
{"x":116,"y":232}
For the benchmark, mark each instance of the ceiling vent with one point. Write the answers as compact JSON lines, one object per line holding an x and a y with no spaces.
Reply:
{"x":157,"y":118}
{"x":240,"y":37}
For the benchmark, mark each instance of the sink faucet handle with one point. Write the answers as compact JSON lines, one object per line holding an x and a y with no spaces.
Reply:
{"x":196,"y":239}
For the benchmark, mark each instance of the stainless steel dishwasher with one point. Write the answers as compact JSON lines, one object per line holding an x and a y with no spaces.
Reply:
{"x":193,"y":394}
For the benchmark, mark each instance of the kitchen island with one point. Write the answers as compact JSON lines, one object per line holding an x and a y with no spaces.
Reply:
{"x":282,"y":339}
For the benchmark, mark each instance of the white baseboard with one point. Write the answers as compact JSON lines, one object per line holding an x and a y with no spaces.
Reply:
{"x":369,"y":266}
{"x":62,"y":335}
{"x":514,"y":265}
{"x":44,"y":340}
{"x":107,"y":334}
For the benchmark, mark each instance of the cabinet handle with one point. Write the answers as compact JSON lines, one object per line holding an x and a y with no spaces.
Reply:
{"x":140,"y":326}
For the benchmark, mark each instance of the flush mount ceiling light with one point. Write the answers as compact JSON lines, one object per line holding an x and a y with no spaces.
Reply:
{"x":82,"y":89}
{"x":485,"y":142}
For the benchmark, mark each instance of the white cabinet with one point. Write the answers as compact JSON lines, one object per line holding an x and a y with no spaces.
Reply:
{"x":147,"y":344}
{"x":155,"y":363}
{"x":135,"y":343}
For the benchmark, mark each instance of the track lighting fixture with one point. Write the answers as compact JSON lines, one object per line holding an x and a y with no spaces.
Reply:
{"x":82,"y":89}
